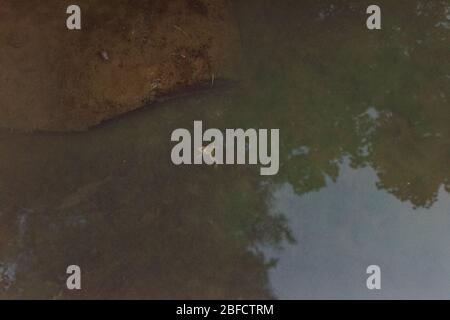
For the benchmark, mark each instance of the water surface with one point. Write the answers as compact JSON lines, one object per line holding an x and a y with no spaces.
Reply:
{"x":364,"y":173}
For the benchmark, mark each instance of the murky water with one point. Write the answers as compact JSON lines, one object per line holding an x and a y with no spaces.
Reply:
{"x":364,"y":173}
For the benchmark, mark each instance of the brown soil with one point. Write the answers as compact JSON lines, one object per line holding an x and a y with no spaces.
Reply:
{"x":127,"y":54}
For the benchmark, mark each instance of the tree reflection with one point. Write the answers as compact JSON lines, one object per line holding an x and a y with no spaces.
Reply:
{"x":338,"y":90}
{"x":136,"y":232}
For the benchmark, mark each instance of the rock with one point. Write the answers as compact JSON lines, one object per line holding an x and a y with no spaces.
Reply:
{"x":53,"y":80}
{"x":104,"y":55}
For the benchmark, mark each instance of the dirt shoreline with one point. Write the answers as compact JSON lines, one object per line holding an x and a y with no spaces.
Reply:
{"x":202,"y":89}
{"x":54,"y":79}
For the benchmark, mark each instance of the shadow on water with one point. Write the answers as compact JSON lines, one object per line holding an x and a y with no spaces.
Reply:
{"x":111,"y":201}
{"x":364,"y":178}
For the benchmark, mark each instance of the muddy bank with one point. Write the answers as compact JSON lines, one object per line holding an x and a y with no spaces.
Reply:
{"x":127,"y":55}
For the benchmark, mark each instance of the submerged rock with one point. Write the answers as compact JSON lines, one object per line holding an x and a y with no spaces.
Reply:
{"x":54,"y":79}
